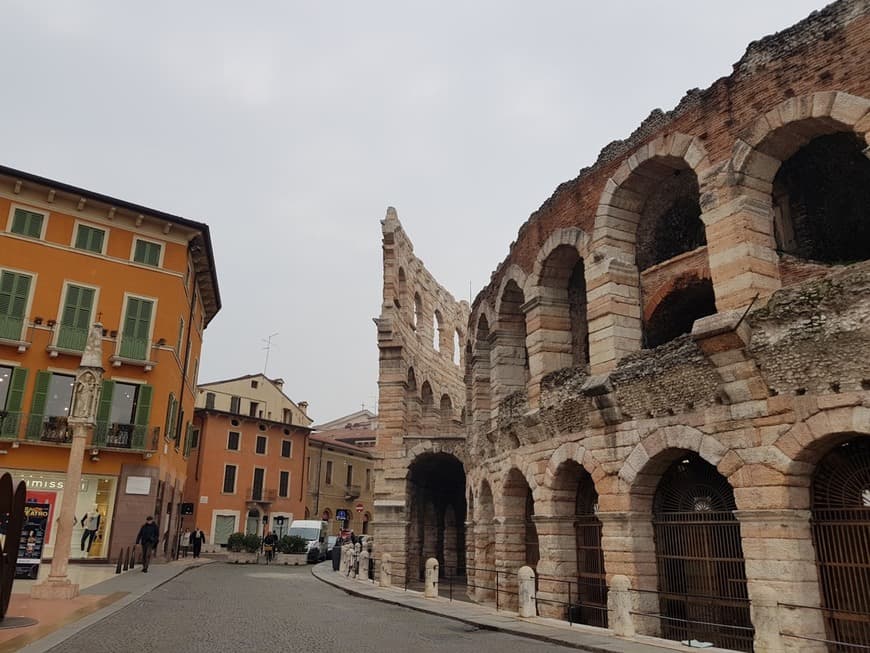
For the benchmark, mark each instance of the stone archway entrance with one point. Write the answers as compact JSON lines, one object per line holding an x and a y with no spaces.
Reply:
{"x":436,"y":499}
{"x":841,"y":537}
{"x":699,"y":557}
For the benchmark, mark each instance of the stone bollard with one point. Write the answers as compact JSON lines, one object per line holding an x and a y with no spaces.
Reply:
{"x":765,"y":619}
{"x":528,"y":607}
{"x":386,"y":570}
{"x":619,"y":606}
{"x":431,"y":589}
{"x":356,"y":551}
{"x":363,"y":564}
{"x":126,"y":554}
{"x":345,"y":559}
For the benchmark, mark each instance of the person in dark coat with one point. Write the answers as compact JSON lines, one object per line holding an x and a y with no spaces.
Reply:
{"x":197,"y":537}
{"x":148,"y":537}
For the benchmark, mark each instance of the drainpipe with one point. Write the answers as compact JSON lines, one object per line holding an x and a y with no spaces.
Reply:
{"x":317,"y":491}
{"x":194,"y":248}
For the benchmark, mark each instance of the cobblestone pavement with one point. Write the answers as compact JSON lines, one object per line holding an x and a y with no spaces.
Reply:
{"x":222,"y":607}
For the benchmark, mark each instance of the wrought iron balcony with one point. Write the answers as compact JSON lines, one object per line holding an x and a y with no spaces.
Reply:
{"x":119,"y":436}
{"x":41,"y":428}
{"x":261,"y":495}
{"x":352,"y":491}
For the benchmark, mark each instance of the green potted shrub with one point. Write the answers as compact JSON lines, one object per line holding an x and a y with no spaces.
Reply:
{"x":243,"y":548}
{"x":292,"y":550}
{"x":252,"y":543}
{"x":236,"y":542}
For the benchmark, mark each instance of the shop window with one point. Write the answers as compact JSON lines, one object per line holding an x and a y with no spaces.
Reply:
{"x":261,"y":444}
{"x":286,"y":448}
{"x":284,"y":484}
{"x":233,"y":438}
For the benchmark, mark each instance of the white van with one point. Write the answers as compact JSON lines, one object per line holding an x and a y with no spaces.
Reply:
{"x":315,"y":532}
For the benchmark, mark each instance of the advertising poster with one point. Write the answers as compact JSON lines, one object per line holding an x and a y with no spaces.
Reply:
{"x":32,"y":540}
{"x":35,"y":496}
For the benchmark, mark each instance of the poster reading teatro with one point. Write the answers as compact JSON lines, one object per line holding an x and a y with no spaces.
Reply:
{"x":32,"y":540}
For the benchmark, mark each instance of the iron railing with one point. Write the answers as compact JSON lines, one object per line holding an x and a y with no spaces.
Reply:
{"x":10,"y":424}
{"x":847,"y":631}
{"x":119,"y":436}
{"x":48,"y":429}
{"x":261,"y":494}
{"x":701,"y":621}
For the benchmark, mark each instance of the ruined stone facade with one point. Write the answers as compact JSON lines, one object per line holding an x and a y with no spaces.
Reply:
{"x":668,"y":377}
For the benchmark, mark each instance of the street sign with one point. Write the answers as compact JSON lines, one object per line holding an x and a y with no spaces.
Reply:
{"x":359,"y":507}
{"x":341,"y":514}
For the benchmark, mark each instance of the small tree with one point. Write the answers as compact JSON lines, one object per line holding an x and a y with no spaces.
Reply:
{"x":292,"y":544}
{"x":236,"y":542}
{"x":252,"y":542}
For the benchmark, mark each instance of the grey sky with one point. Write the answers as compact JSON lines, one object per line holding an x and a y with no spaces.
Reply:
{"x":289,"y":128}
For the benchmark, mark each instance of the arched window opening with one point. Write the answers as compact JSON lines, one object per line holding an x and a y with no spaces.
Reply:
{"x":436,"y":330}
{"x":436,"y":497}
{"x":402,"y":299}
{"x":511,"y":359}
{"x":446,"y":411}
{"x":822,"y":201}
{"x":670,"y":221}
{"x":483,"y":573}
{"x":563,"y":287}
{"x":841,"y":533}
{"x":457,"y":348}
{"x":699,"y":557}
{"x":519,"y":508}
{"x":427,"y":402}
{"x":677,"y":312}
{"x":412,"y":404}
{"x":480,"y":374}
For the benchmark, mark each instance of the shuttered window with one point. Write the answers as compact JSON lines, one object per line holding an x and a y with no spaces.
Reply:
{"x":27,"y":223}
{"x":90,"y":239}
{"x":137,"y":328}
{"x":284,"y":484}
{"x":75,"y":321}
{"x":286,"y":448}
{"x":12,"y":382}
{"x":14,"y":292}
{"x":233,"y":441}
{"x":147,"y":253}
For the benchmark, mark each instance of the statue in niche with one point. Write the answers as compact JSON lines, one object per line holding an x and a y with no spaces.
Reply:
{"x":85,"y":395}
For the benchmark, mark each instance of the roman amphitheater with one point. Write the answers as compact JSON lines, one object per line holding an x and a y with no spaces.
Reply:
{"x":666,"y":384}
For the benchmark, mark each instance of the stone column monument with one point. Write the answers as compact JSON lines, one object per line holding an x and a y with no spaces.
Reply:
{"x":86,"y":396}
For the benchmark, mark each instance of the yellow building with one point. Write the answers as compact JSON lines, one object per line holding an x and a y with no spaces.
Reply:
{"x":69,"y":258}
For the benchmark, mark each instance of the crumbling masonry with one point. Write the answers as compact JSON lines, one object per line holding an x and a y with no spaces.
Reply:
{"x":668,"y":377}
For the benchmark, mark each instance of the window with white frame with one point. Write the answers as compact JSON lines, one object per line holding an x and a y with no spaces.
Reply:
{"x":286,"y":448}
{"x":261,"y":444}
{"x":233,"y":438}
{"x":229,"y":479}
{"x":75,"y":318}
{"x":284,"y":484}
{"x":28,"y":223}
{"x":89,"y":238}
{"x":147,"y":252}
{"x":136,"y":330}
{"x":14,"y":297}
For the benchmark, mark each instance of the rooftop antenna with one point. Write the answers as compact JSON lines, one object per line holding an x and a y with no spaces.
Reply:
{"x":268,"y":349}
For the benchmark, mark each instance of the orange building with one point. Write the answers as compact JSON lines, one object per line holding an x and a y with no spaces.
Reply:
{"x":69,"y":258}
{"x":247,"y":473}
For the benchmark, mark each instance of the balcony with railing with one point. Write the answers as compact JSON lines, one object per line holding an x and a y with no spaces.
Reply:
{"x":42,"y":428}
{"x":261,"y":495}
{"x":120,"y":436}
{"x":12,"y":332}
{"x":132,"y":351}
{"x":352,"y":491}
{"x":10,"y":424}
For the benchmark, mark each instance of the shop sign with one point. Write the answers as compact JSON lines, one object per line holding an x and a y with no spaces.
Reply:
{"x":138,"y":485}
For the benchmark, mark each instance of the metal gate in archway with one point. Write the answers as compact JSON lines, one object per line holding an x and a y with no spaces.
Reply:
{"x":841,"y":537}
{"x":591,"y":579}
{"x":699,"y":558}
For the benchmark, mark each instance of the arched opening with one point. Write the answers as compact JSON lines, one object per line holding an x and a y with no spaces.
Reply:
{"x":484,"y":546}
{"x":670,"y":221}
{"x":480,"y":376}
{"x":436,"y":496}
{"x":689,"y":299}
{"x":365,"y":525}
{"x":520,"y":534}
{"x":511,"y":359}
{"x":699,"y":557}
{"x":446,"y":412}
{"x":427,"y":403}
{"x":402,"y":301}
{"x":821,"y":201}
{"x":436,"y":331}
{"x":412,"y":404}
{"x":563,"y":289}
{"x":574,"y":495}
{"x":841,"y":537}
{"x":326,"y":515}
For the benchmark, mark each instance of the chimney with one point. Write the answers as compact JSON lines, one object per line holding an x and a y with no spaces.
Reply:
{"x":303,"y":406}
{"x":279,"y":383}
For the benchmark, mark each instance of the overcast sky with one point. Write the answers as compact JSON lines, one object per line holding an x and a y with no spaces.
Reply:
{"x":289,"y":127}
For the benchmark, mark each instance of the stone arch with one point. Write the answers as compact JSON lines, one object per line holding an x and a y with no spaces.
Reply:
{"x":413,"y":408}
{"x":513,"y":273}
{"x":673,"y":309}
{"x":614,"y":270}
{"x":509,"y":355}
{"x":744,"y":203}
{"x":570,"y":236}
{"x":402,"y":290}
{"x":438,"y":332}
{"x":483,"y":575}
{"x":481,"y":373}
{"x":568,"y":451}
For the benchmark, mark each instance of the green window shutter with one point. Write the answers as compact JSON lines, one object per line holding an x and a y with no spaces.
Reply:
{"x":37,"y":405}
{"x":147,"y":253}
{"x":76,"y":317}
{"x":14,"y":401}
{"x":188,"y":440}
{"x":137,"y":324}
{"x":14,"y":291}
{"x":90,"y":239}
{"x":27,"y":223}
{"x":143,"y":405}
{"x":171,"y":413}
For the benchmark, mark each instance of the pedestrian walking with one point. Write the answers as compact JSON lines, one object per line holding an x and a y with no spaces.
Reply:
{"x":148,"y":537}
{"x":269,"y":544}
{"x":197,"y":537}
{"x":185,"y":542}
